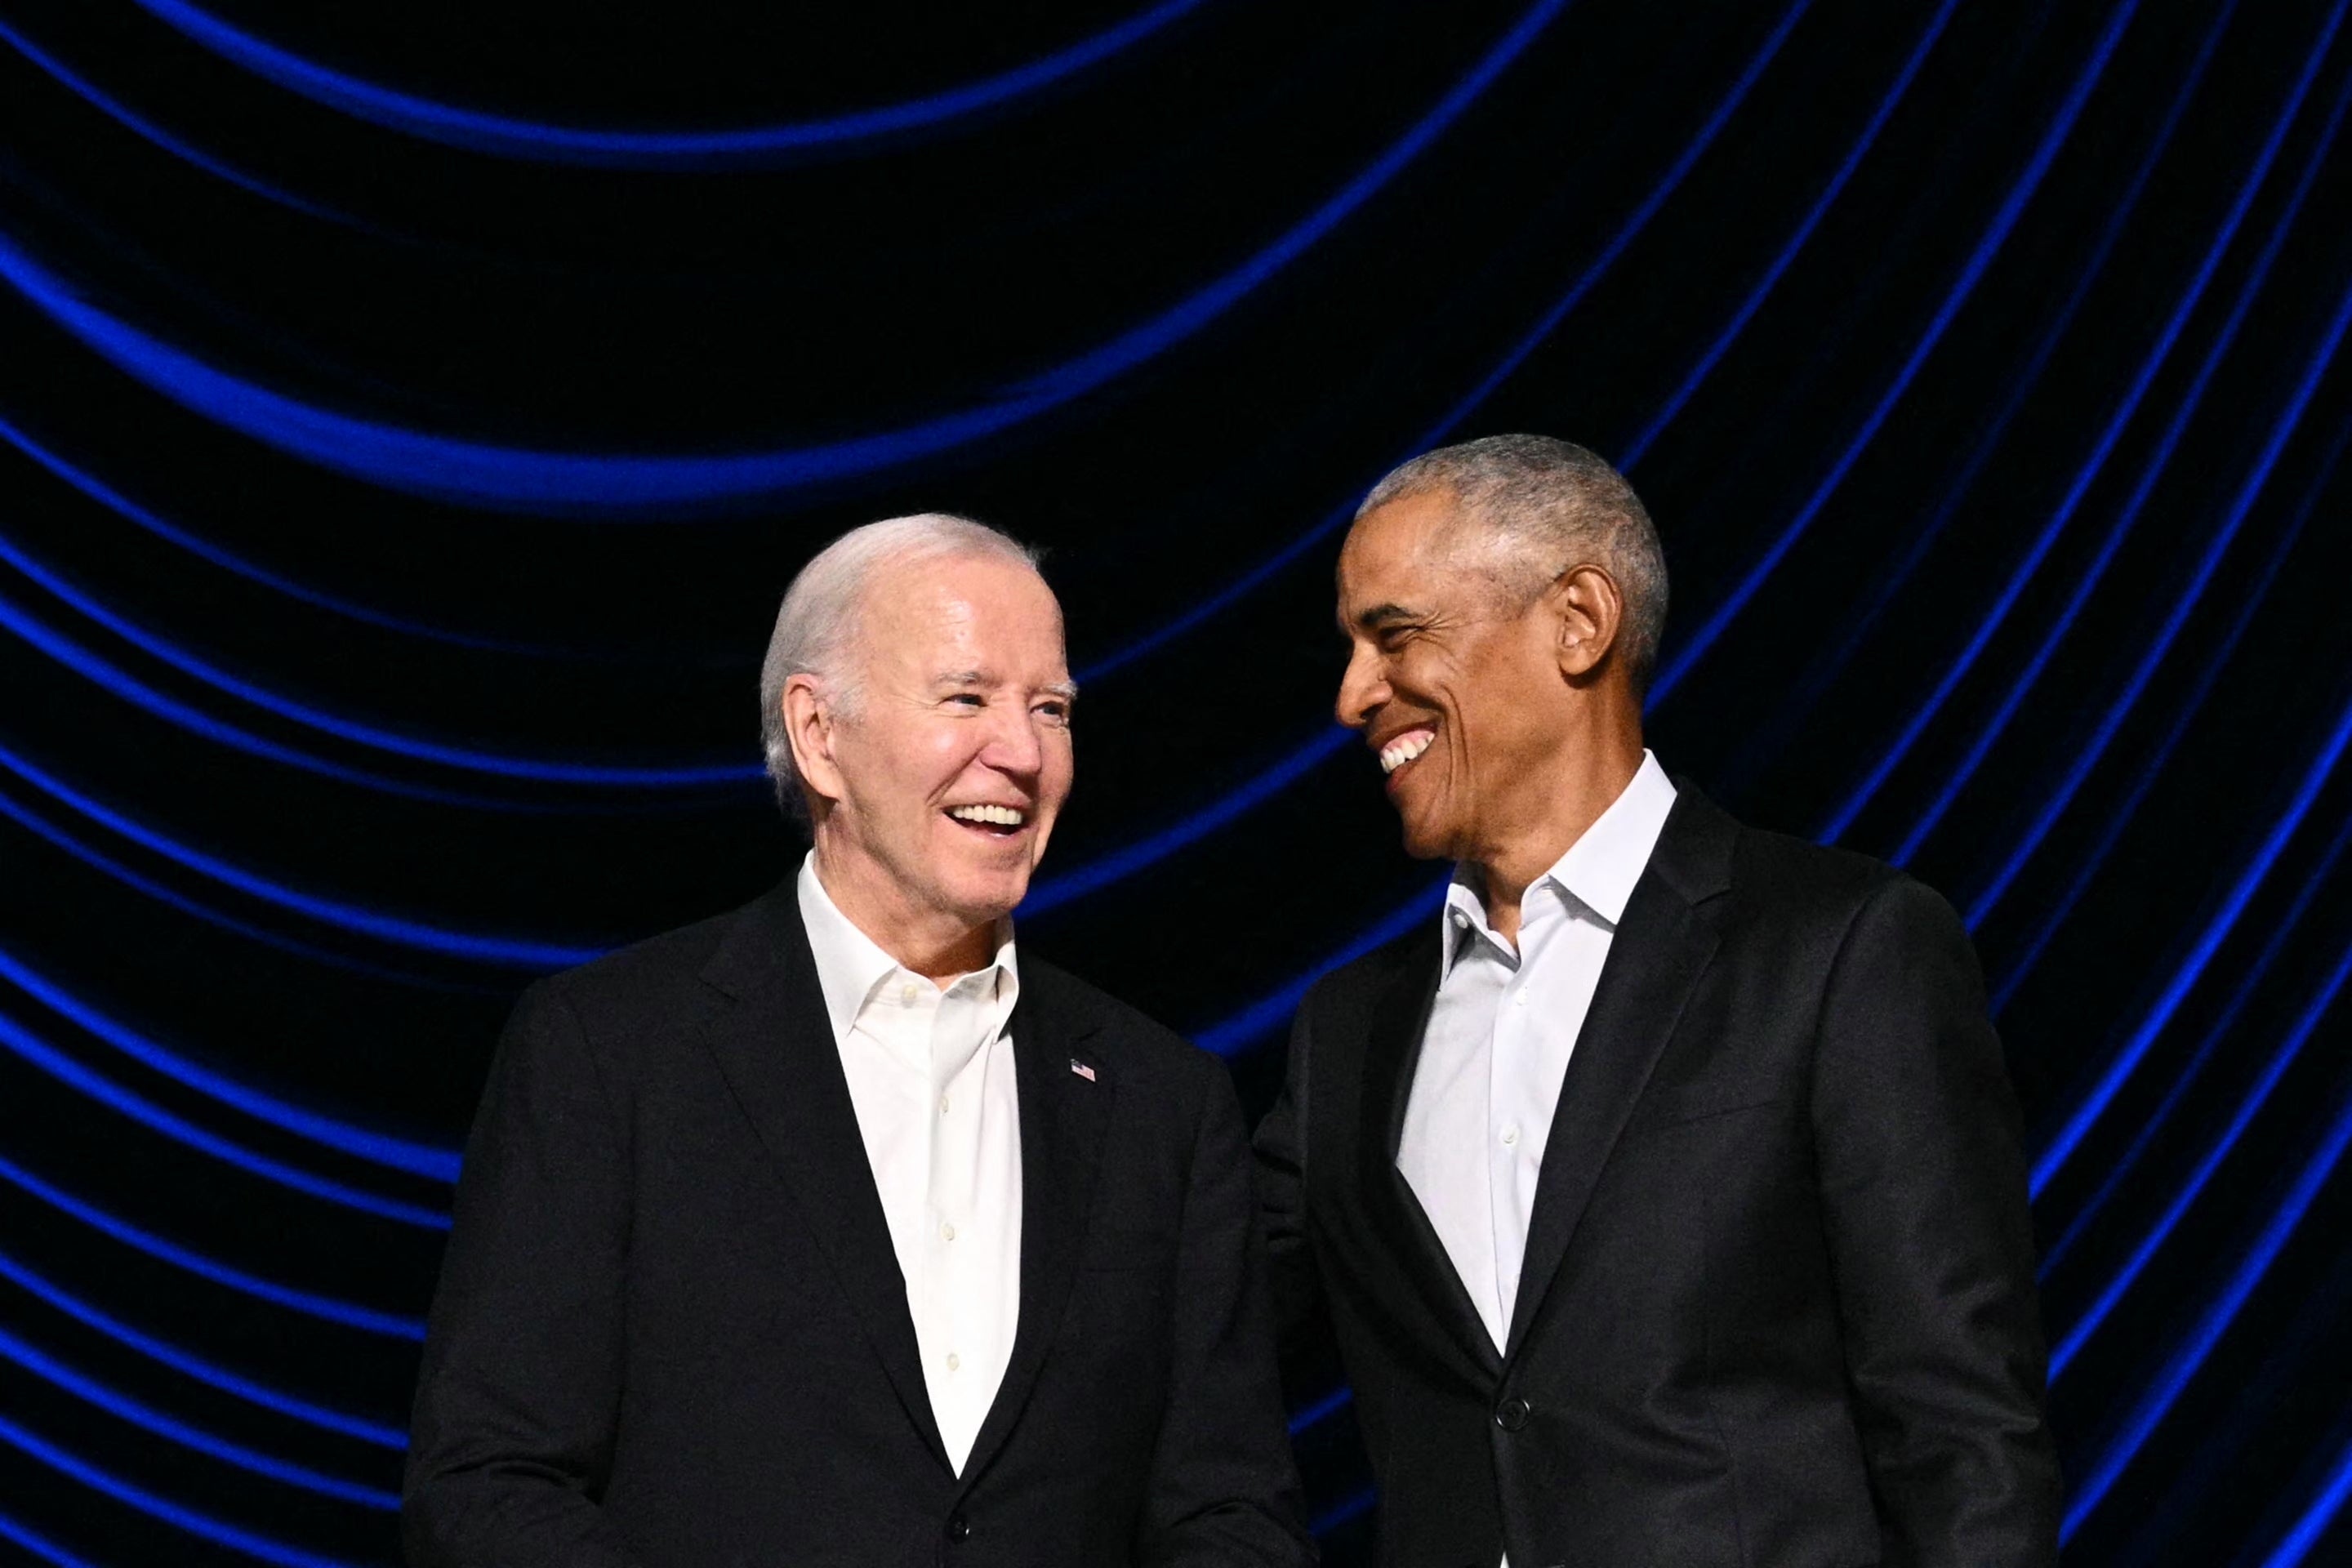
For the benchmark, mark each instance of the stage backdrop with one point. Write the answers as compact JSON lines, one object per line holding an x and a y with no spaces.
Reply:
{"x":410,"y":415}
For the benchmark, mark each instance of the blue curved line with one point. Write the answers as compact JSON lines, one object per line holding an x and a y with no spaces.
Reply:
{"x":122,"y":114}
{"x":2215,"y":1322}
{"x":130,"y":510}
{"x":1350,"y":1507}
{"x":1125,"y":862}
{"x":1270,"y":1011}
{"x":616,"y":486}
{"x":2118,"y":1171}
{"x":203,"y":1526}
{"x":29,"y":1049}
{"x":2013,"y":699}
{"x":2324,"y":1505}
{"x":1265,"y":570}
{"x":429,"y":1161}
{"x":1321,"y":1410}
{"x":2185,"y":711}
{"x":166,"y":1354}
{"x":89,"y":1391}
{"x":519,"y":952}
{"x":327,"y":1308}
{"x":748,"y":146}
{"x":41,"y":1546}
{"x":2071,"y":1132}
{"x":2193,"y":1187}
{"x":2004,"y":221}
{"x":142,"y":695}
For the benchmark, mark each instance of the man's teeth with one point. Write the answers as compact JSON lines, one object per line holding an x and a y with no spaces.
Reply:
{"x":1404,"y":748}
{"x":1002,"y":816}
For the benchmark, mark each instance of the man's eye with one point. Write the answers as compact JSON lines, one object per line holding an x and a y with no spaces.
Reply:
{"x":1060,"y":713}
{"x":973,"y":697}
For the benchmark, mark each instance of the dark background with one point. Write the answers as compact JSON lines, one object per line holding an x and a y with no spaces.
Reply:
{"x":396,"y":483}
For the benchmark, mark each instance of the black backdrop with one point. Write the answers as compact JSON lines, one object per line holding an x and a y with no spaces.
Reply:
{"x":410,"y":415}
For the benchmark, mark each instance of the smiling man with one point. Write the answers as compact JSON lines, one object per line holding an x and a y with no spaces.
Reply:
{"x":1665,"y":1191}
{"x":832,"y":1232}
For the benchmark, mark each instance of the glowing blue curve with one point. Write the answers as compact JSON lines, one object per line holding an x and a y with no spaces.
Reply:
{"x":1353,"y":1506}
{"x":2193,"y":1187}
{"x":1270,"y":1011}
{"x":1100,"y":873}
{"x":2117,"y":1171}
{"x":1855,"y":628}
{"x":130,"y":510}
{"x":429,"y":1161}
{"x":746,"y":146}
{"x":29,"y":1049}
{"x":595,"y":484}
{"x":499,"y":765}
{"x":2184,"y":712}
{"x":260,"y":1395}
{"x":2298,"y":1542}
{"x":1267,"y":569}
{"x":2184,"y":1363}
{"x":1321,"y":1410}
{"x":366,"y":1319}
{"x":2071,"y":1132}
{"x":1997,"y":234}
{"x":520,"y":952}
{"x":89,"y":1391}
{"x":41,"y":1546}
{"x":202,"y":1526}
{"x":139,"y":125}
{"x":2013,"y":699}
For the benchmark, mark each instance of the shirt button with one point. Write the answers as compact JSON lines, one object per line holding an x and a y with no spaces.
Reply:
{"x":957,"y":1527}
{"x":907,"y":993}
{"x":955,"y":1362}
{"x":1520,"y":1000}
{"x":947,"y":1233}
{"x":1460,"y":919}
{"x":1511,"y":1136}
{"x":943,"y":1105}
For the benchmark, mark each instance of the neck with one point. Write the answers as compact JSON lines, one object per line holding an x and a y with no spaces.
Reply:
{"x":928,"y":941}
{"x":1547,"y":819}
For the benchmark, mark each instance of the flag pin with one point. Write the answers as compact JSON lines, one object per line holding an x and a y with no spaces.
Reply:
{"x":1083,"y":1070}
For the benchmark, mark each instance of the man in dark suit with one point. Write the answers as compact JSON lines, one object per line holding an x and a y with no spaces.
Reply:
{"x":833,"y":1232}
{"x":1665,"y":1193}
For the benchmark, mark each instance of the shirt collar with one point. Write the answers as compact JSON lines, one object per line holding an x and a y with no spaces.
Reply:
{"x":1600,"y":869}
{"x":850,"y":964}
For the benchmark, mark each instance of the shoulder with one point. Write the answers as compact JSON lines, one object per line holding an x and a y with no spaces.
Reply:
{"x":1341,"y":1001}
{"x":649,"y":987}
{"x":1796,"y":879}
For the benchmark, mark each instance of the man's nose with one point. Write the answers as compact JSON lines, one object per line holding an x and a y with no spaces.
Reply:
{"x":1362,"y":688}
{"x":1014,"y":745}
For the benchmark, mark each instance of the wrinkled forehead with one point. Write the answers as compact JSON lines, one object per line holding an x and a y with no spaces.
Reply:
{"x":1420,"y":547}
{"x":964,"y":613}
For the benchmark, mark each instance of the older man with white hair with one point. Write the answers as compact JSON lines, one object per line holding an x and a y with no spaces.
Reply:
{"x":831,"y":1231}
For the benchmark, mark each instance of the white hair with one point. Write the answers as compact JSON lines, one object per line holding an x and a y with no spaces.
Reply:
{"x":818,"y":623}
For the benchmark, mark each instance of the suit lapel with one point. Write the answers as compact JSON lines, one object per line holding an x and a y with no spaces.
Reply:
{"x":1661,"y":948}
{"x":1392,"y":1053}
{"x":1062,"y":1115}
{"x":776,"y":1050}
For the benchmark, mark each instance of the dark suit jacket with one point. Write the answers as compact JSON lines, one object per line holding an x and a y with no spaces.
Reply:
{"x":1777,"y":1305}
{"x":671,"y":1332}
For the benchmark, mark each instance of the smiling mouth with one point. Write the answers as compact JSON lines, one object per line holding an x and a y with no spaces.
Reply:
{"x":991,"y":821}
{"x":1398,"y":753}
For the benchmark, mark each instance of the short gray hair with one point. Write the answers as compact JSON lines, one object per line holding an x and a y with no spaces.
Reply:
{"x":1554,"y":505}
{"x":817,"y":625}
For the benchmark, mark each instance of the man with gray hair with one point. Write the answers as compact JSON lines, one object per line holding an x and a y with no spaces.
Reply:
{"x":1664,"y":1193}
{"x":833,"y":1230}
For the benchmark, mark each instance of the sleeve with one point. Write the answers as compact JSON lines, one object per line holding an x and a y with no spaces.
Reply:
{"x":1281,"y":1159}
{"x":1923,"y":1181}
{"x":1224,"y":1487}
{"x":516,"y":1405}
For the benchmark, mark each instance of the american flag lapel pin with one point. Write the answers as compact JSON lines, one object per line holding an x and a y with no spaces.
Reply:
{"x":1083,"y":1070}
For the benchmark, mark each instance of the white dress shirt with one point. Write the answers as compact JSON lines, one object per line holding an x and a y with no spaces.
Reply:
{"x":930,"y":1076}
{"x":1499,"y":1037}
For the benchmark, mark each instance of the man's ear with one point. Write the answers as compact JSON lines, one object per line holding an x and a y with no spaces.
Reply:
{"x":810,"y":726}
{"x":1589,"y":611}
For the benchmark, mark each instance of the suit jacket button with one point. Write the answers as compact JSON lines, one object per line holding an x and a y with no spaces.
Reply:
{"x":1512,"y":1413}
{"x":957,"y":1527}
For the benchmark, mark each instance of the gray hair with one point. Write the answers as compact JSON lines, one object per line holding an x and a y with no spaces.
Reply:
{"x":1553,"y":505}
{"x":818,"y":623}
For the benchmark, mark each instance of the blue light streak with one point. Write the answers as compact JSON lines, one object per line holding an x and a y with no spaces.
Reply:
{"x":431,"y":1161}
{"x":2316,"y":1518}
{"x":617,"y":486}
{"x":202,"y":1526}
{"x":1322,"y":1410}
{"x":1988,"y":246}
{"x":89,"y":1391}
{"x":391,"y":1325}
{"x":260,"y":1395}
{"x":29,"y":1049}
{"x":41,"y":1546}
{"x":1353,"y":1506}
{"x":748,"y":146}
